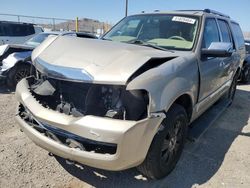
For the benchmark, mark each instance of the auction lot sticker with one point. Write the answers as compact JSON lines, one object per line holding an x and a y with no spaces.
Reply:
{"x":183,"y":19}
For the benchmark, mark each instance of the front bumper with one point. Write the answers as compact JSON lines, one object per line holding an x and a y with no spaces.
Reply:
{"x":132,"y":138}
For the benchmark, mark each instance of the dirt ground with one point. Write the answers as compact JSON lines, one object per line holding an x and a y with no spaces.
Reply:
{"x":221,"y":158}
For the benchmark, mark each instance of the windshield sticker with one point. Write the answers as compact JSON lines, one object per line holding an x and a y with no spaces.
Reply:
{"x":183,"y":19}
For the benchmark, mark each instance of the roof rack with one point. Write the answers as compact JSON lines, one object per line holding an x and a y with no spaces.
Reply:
{"x":192,"y":10}
{"x":215,"y":12}
{"x":209,"y":11}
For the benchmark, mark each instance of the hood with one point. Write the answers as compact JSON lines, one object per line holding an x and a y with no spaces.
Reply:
{"x":4,"y":48}
{"x":91,"y":60}
{"x":7,"y":49}
{"x":14,"y":58}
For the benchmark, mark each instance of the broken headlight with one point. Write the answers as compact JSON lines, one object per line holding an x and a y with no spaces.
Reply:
{"x":79,"y":99}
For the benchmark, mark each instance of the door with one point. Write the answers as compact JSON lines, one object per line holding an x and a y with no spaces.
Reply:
{"x":211,"y":69}
{"x":229,"y":63}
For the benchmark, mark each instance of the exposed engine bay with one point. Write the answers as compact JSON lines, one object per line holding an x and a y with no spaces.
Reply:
{"x":80,"y":99}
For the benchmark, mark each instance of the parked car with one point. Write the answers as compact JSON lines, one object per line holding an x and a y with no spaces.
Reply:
{"x":17,"y":32}
{"x":127,"y":100}
{"x":16,"y":59}
{"x":245,"y":73}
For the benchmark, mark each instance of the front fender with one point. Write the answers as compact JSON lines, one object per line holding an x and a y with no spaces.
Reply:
{"x":13,"y":59}
{"x":168,"y":82}
{"x":9,"y":62}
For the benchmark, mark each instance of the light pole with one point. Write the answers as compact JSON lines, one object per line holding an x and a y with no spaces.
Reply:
{"x":126,"y":11}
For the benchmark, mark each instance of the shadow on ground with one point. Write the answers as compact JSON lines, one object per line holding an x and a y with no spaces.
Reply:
{"x":4,"y":89}
{"x":199,"y":162}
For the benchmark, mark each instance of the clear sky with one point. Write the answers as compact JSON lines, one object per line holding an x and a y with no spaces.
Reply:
{"x":113,"y":10}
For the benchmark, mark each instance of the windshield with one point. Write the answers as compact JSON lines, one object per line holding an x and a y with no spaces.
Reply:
{"x":38,"y":39}
{"x":163,"y":30}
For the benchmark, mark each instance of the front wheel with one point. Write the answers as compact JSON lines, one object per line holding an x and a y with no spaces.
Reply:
{"x":17,"y":73}
{"x":167,"y":145}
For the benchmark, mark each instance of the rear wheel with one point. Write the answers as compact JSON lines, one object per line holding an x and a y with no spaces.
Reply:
{"x":17,"y":73}
{"x":245,"y":78}
{"x":167,"y":145}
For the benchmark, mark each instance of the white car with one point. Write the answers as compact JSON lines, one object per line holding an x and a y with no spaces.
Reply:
{"x":15,"y":63}
{"x":17,"y":33}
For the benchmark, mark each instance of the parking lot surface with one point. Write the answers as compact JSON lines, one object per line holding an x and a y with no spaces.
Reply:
{"x":220,"y":158}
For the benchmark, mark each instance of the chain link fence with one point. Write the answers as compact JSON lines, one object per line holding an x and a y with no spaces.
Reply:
{"x":59,"y":24}
{"x":247,"y":35}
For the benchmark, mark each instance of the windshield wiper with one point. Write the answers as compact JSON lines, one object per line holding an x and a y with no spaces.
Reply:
{"x":142,"y":43}
{"x":106,"y":39}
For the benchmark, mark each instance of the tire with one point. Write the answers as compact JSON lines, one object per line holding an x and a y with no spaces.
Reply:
{"x":245,"y":78}
{"x":167,"y":145}
{"x":16,"y":74}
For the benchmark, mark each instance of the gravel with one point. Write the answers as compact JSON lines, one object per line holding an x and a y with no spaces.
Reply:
{"x":221,"y":158}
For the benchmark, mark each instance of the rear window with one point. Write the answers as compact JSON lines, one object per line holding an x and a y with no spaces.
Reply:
{"x":16,"y":30}
{"x":238,"y":34}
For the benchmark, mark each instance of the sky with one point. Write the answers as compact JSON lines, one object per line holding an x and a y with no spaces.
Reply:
{"x":113,"y":10}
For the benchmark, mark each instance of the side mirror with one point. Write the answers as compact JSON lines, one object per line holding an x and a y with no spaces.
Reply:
{"x":218,"y":49}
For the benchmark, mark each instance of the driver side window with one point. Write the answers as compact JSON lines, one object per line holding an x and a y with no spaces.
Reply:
{"x":211,"y":33}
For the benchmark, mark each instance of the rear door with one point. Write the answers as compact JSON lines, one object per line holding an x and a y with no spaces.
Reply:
{"x":239,"y":41}
{"x":229,"y":64}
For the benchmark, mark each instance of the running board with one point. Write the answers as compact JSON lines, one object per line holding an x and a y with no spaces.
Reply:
{"x":201,"y":125}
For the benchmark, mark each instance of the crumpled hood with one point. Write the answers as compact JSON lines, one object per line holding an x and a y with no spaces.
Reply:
{"x":9,"y":49}
{"x":5,"y":47}
{"x":91,"y":60}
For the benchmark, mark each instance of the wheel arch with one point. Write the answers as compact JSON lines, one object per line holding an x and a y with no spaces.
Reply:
{"x":238,"y":72}
{"x":10,"y":74}
{"x":23,"y":62}
{"x":185,"y":100}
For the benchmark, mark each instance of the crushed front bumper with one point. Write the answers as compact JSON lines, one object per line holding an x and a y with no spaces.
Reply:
{"x":131,"y":138}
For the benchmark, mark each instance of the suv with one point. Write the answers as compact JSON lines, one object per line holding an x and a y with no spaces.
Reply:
{"x":245,"y":73}
{"x":127,"y":100}
{"x":17,"y":33}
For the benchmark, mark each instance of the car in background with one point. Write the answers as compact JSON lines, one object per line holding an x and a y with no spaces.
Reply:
{"x":16,"y":32}
{"x":245,"y":73}
{"x":16,"y":59}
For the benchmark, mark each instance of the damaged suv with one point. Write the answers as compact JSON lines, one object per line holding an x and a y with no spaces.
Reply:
{"x":126,"y":100}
